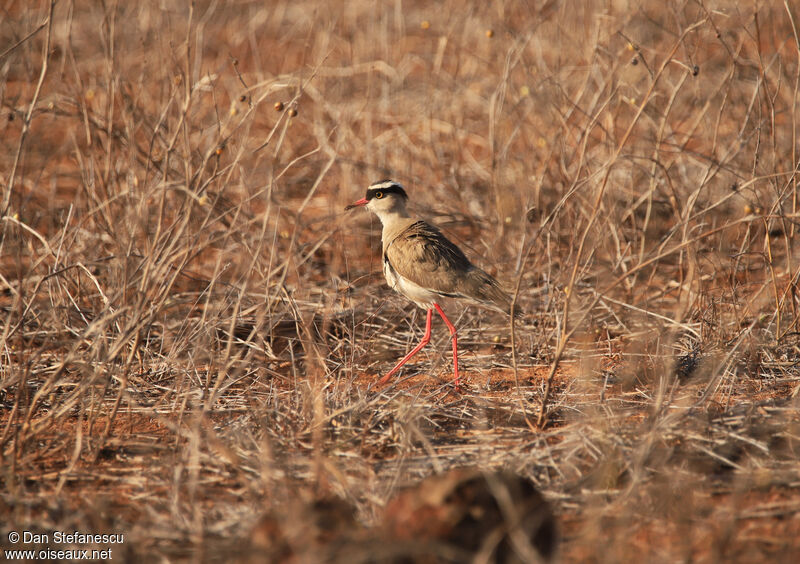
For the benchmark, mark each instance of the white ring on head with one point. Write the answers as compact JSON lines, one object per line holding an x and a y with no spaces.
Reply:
{"x":384,"y":184}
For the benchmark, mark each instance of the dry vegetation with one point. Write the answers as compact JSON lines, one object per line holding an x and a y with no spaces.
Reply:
{"x":192,"y":328}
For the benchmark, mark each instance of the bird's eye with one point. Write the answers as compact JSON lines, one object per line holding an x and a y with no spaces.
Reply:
{"x":379,"y":195}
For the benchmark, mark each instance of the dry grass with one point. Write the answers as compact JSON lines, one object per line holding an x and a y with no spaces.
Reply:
{"x":192,"y":328}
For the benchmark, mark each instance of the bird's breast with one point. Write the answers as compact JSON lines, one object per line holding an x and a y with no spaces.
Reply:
{"x":421,"y":296}
{"x":389,"y":273}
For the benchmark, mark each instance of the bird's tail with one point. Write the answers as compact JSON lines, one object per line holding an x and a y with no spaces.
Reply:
{"x":483,"y":288}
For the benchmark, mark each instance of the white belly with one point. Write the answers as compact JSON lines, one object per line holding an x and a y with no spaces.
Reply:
{"x":423,"y":297}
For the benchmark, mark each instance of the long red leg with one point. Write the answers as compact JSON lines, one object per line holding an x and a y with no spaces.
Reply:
{"x":455,"y":342}
{"x":425,"y":338}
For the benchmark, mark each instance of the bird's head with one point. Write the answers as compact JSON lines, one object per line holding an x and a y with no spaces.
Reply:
{"x":385,"y":197}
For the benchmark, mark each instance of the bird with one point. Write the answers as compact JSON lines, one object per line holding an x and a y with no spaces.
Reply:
{"x":424,"y":266}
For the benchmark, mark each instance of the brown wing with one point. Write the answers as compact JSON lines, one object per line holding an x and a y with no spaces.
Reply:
{"x":424,"y":256}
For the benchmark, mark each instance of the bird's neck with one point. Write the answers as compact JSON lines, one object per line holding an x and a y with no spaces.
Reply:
{"x":390,"y":218}
{"x":394,"y":222}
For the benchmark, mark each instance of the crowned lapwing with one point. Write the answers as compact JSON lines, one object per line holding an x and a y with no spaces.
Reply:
{"x":424,"y":266}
